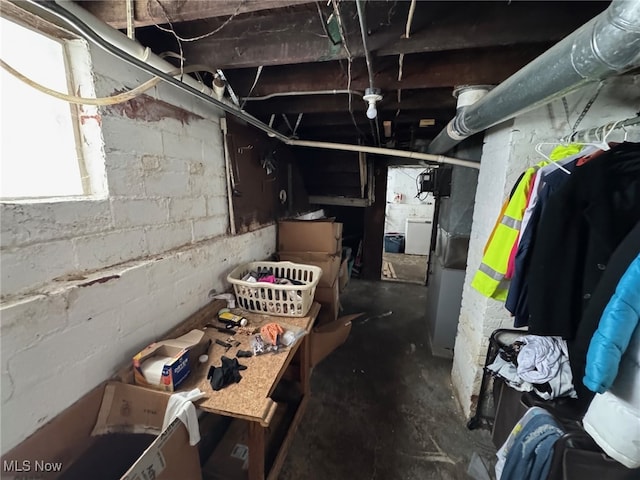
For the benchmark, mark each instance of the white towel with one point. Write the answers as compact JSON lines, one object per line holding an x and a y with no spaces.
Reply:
{"x":539,"y":359}
{"x":507,"y":371}
{"x":180,"y":406}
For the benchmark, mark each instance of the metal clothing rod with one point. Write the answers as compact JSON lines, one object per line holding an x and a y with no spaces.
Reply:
{"x":600,"y":134}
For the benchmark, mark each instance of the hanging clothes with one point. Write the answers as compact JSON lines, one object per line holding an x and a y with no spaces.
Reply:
{"x":618,"y":264}
{"x":613,"y":370}
{"x":490,"y":278}
{"x":550,"y":180}
{"x":618,"y":322}
{"x":579,"y":229}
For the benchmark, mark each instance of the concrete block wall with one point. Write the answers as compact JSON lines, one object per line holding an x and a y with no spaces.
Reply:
{"x":509,"y":148}
{"x":87,"y":282}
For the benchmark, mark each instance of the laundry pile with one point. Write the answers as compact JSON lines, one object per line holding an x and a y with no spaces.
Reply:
{"x":539,"y":364}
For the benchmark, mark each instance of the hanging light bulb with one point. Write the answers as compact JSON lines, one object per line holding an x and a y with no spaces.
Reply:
{"x":372,"y":111}
{"x":372,"y":96}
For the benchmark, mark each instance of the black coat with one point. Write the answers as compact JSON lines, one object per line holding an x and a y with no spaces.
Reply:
{"x":581,"y":226}
{"x":626,"y":253}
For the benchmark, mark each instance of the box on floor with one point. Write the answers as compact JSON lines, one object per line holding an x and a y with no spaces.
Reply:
{"x":326,"y":337}
{"x":230,"y":459}
{"x":113,"y":432}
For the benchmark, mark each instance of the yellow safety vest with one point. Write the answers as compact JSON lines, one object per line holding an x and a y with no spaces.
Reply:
{"x":490,"y":279}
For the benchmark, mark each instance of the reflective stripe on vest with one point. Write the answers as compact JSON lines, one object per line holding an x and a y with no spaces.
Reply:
{"x":490,"y":280}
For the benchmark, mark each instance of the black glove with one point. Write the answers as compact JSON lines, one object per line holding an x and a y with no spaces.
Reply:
{"x":228,"y":373}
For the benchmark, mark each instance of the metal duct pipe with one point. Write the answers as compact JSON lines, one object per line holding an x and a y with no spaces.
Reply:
{"x":607,"y":44}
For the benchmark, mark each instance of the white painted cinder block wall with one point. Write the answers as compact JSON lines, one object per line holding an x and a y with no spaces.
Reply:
{"x":508,"y":150}
{"x":62,"y":334}
{"x":402,"y":181}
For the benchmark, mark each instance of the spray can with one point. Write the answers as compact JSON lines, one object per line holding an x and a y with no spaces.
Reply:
{"x":230,"y":319}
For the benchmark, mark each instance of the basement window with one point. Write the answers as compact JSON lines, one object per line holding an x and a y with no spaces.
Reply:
{"x":48,"y":144}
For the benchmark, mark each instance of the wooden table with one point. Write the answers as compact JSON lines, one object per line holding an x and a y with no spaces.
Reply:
{"x":250,"y":399}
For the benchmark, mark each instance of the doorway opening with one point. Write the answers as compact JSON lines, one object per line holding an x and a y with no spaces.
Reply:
{"x":407,"y":228}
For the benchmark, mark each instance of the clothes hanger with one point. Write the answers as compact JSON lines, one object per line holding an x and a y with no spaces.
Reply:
{"x":538,"y":149}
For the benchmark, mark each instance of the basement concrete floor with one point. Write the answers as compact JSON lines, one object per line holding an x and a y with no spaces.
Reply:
{"x":382,"y":407}
{"x":408,"y":268}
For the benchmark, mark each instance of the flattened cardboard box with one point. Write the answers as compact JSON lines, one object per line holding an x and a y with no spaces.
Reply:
{"x":328,"y":262}
{"x":310,"y":236}
{"x":110,"y":410}
{"x":230,"y":459}
{"x":327,"y":337}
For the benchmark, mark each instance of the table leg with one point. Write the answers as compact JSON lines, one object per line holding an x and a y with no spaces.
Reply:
{"x":305,"y":368}
{"x":257,"y":447}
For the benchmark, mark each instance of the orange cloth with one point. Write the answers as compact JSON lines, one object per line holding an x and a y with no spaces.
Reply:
{"x":271,"y":331}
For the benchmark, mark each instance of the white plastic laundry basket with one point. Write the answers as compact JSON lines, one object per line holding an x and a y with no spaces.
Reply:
{"x":269,"y":298}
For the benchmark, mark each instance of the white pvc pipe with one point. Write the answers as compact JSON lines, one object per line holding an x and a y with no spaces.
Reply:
{"x":470,"y":95}
{"x":389,"y":152}
{"x":293,"y":94}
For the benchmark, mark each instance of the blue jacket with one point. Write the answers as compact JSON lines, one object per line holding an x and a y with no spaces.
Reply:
{"x":611,"y":339}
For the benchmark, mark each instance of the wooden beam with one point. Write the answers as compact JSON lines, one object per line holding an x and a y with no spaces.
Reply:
{"x":340,"y":201}
{"x":489,"y":24}
{"x":292,"y":37}
{"x":373,"y":241}
{"x":429,"y":70}
{"x":25,"y":14}
{"x":150,"y":12}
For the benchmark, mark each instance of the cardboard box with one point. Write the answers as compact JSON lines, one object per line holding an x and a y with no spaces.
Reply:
{"x":114,"y":430}
{"x":325,"y":338}
{"x":343,"y":275}
{"x":329,"y":300}
{"x":230,"y":459}
{"x":310,"y":236}
{"x":328,"y":262}
{"x":176,"y":369}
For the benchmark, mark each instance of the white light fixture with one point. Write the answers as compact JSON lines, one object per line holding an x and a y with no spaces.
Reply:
{"x":371,"y":96}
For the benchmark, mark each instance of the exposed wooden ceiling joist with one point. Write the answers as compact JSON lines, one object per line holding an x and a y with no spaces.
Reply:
{"x":298,"y":37}
{"x":150,"y":12}
{"x":451,"y":44}
{"x":436,"y":70}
